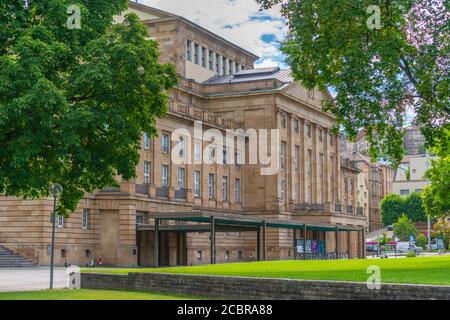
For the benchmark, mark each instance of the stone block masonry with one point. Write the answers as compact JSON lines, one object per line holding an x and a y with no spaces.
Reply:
{"x":259,"y":288}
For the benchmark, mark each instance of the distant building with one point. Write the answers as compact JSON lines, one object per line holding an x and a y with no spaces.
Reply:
{"x":410,"y":174}
{"x":414,"y":142}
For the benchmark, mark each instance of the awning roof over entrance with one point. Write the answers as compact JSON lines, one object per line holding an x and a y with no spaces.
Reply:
{"x":237,"y":220}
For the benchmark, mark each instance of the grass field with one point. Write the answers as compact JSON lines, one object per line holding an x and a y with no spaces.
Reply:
{"x":426,"y":270}
{"x":89,"y":295}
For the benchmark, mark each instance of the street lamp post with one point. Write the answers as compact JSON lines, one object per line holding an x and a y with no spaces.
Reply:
{"x":55,"y":191}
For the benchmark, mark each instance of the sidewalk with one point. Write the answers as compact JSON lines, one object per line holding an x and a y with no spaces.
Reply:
{"x":30,"y":279}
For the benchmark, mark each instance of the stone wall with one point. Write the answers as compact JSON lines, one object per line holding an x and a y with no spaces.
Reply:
{"x":258,"y":288}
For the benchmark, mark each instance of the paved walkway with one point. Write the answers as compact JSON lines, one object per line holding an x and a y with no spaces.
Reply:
{"x":30,"y":279}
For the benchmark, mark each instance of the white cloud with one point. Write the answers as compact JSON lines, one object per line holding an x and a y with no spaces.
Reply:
{"x":238,"y":21}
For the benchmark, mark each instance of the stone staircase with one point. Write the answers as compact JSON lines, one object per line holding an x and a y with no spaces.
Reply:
{"x":10,"y":259}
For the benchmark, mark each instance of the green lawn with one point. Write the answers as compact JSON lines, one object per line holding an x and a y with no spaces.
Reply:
{"x":426,"y":270}
{"x":89,"y":295}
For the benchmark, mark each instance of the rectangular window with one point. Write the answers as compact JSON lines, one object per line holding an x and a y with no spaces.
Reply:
{"x":211,"y":60}
{"x":297,"y":159}
{"x":237,"y":67}
{"x":237,"y":190}
{"x":332,"y":177}
{"x":283,"y":155}
{"x":139,"y":219}
{"x":297,"y":191}
{"x":217,"y":63}
{"x":197,"y":151}
{"x":146,"y":141}
{"x":197,"y":183}
{"x":85,"y":219}
{"x":237,"y":159}
{"x":225,"y":188}
{"x":309,"y":173}
{"x":60,"y":221}
{"x":296,"y":125}
{"x":227,"y":255}
{"x":181,"y":147}
{"x":320,"y":134}
{"x":165,"y":142}
{"x":196,"y":53}
{"x":181,"y":178}
{"x":404,"y":192}
{"x":164,"y":175}
{"x":321,"y":181}
{"x":203,"y":57}
{"x":331,"y":139}
{"x":283,"y":189}
{"x":211,"y":154}
{"x":224,"y":66}
{"x":199,"y":256}
{"x":308,"y":129}
{"x":147,"y":172}
{"x":211,"y":186}
{"x":225,"y":156}
{"x":283,"y":120}
{"x":189,"y":50}
{"x":230,"y":66}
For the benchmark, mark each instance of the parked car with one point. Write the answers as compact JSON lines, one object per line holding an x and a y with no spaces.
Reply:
{"x":390,"y":228}
{"x":405,"y":247}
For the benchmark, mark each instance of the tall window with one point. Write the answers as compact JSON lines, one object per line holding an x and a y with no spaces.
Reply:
{"x":309,"y":166}
{"x":332,"y":177}
{"x":237,"y":190}
{"x":296,"y":191}
{"x":211,"y":186}
{"x":203,"y":57}
{"x":225,"y":188}
{"x":296,"y":159}
{"x":224,"y":66}
{"x":308,"y":129}
{"x":211,"y":154}
{"x":296,"y":125}
{"x":320,"y":134}
{"x":164,"y":175}
{"x":146,"y":141}
{"x":165,"y":142}
{"x":146,"y":172}
{"x":189,"y":50}
{"x":230,"y":66}
{"x":211,"y":60}
{"x":283,"y":189}
{"x":321,"y":181}
{"x":237,"y":159}
{"x":85,"y":219}
{"x":197,"y":151}
{"x":331,"y":139}
{"x":181,"y":148}
{"x":196,"y":53}
{"x":197,"y":183}
{"x":217,"y":63}
{"x":181,"y":178}
{"x":283,"y":155}
{"x":237,"y":67}
{"x":225,"y":156}
{"x":283,"y":120}
{"x":60,"y":221}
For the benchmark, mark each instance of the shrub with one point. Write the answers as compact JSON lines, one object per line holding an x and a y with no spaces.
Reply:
{"x":421,"y":240}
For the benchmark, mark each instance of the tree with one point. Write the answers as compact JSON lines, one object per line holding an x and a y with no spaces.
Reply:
{"x":74,"y":102}
{"x":421,"y":240}
{"x":414,"y":209}
{"x":404,"y":227}
{"x":392,"y":207}
{"x":442,"y":230}
{"x":383,"y":61}
{"x":436,"y":196}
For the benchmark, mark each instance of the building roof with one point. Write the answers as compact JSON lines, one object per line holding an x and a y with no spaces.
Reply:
{"x":273,"y":73}
{"x":167,"y":15}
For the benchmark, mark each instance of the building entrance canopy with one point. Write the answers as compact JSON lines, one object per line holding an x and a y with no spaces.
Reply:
{"x":212,"y":222}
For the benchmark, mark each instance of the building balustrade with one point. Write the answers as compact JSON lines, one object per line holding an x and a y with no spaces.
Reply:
{"x":338,"y":207}
{"x":181,"y":194}
{"x":142,"y":189}
{"x":162,"y":192}
{"x":360,"y":211}
{"x":349,"y":210}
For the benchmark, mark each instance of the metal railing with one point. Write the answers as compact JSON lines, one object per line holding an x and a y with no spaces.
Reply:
{"x":142,"y":189}
{"x":21,"y":248}
{"x":162,"y":192}
{"x":181,"y":194}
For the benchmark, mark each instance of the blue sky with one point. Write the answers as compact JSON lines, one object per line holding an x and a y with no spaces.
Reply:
{"x":238,"y":21}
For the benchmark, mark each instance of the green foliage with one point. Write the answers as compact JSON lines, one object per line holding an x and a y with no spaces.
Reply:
{"x":421,"y":240}
{"x":74,"y":102}
{"x":404,"y":227}
{"x":414,"y":209}
{"x":408,"y":174}
{"x":392,"y":207}
{"x":384,"y":240}
{"x":436,"y":196}
{"x":411,"y":254}
{"x":378,"y":74}
{"x":442,"y":230}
